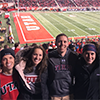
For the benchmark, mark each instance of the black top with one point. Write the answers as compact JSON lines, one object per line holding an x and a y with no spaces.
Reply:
{"x":60,"y":73}
{"x":87,"y":80}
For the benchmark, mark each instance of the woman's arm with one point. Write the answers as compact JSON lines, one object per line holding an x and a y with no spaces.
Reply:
{"x":20,"y":68}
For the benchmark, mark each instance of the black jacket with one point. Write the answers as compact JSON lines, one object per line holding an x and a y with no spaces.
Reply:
{"x":24,"y":92}
{"x":87,"y":81}
{"x":60,"y":73}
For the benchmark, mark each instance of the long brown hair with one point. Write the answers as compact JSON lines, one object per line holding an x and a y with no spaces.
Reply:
{"x":29,"y":63}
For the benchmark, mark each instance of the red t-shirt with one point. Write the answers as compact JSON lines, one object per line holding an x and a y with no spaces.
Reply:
{"x":0,"y":22}
{"x":8,"y":84}
{"x":16,"y":50}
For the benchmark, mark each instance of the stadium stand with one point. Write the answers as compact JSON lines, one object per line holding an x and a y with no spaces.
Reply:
{"x":64,"y":3}
{"x":46,"y":4}
{"x":60,"y":3}
{"x":93,"y":4}
{"x":87,"y":3}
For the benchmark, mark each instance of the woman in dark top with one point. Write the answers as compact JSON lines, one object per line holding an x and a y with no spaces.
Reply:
{"x":87,"y":74}
{"x":31,"y":64}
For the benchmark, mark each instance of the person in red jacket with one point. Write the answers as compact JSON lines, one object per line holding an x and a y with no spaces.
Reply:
{"x":0,"y":26}
{"x":8,"y":77}
{"x":17,"y":47}
{"x":0,"y":22}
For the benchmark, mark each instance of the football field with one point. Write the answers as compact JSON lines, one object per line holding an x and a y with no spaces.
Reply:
{"x":73,"y":24}
{"x":30,"y":30}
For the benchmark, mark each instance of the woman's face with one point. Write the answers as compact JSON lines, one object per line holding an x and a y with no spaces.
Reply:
{"x":89,"y":56}
{"x":8,"y":63}
{"x":37,"y":56}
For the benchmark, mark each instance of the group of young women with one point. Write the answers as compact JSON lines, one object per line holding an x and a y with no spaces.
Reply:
{"x":25,"y":76}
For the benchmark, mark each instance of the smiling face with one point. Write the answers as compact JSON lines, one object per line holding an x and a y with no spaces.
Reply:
{"x":89,"y":56}
{"x":62,"y":44}
{"x":37,"y":56}
{"x":8,"y":64}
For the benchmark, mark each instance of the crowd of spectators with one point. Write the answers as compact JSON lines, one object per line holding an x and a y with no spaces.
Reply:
{"x":75,"y":45}
{"x":26,"y":3}
{"x":59,"y":3}
{"x":36,"y":3}
{"x":87,"y":3}
{"x":8,"y":0}
{"x":48,"y":3}
{"x":65,"y":3}
{"x":55,"y":5}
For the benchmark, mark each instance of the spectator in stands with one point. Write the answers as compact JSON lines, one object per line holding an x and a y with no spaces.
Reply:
{"x":26,"y":45}
{"x":0,"y":14}
{"x":6,"y":46}
{"x":6,"y":36}
{"x":1,"y":48}
{"x":33,"y":44}
{"x":79,"y":50}
{"x":0,"y":23}
{"x":72,"y":47}
{"x":8,"y":77}
{"x":87,"y":74}
{"x":45,"y":46}
{"x":32,"y":68}
{"x":60,"y":70}
{"x":17,"y":47}
{"x":8,"y":21}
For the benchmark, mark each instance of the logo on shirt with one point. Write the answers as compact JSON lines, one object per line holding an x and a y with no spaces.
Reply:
{"x":31,"y":78}
{"x":61,"y":67}
{"x":9,"y":87}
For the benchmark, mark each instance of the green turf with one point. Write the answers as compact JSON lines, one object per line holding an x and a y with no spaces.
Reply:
{"x":73,"y":24}
{"x":80,"y":24}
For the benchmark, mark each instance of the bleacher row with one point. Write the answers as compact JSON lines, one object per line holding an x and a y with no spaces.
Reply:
{"x":61,"y":3}
{"x":56,"y":3}
{"x":87,"y":3}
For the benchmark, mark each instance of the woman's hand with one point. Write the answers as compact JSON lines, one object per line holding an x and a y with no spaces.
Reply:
{"x":21,"y":66}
